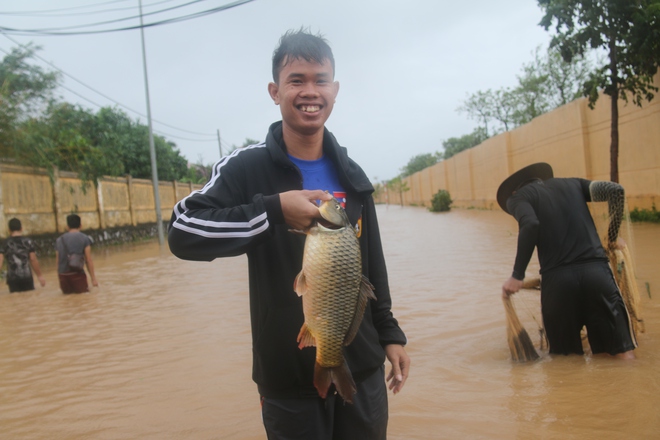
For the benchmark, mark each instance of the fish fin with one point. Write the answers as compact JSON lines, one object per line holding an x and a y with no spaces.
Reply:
{"x":298,"y":231}
{"x":342,"y":378}
{"x":366,"y":293}
{"x":322,"y":379}
{"x":305,"y":337}
{"x":367,"y":289}
{"x":300,"y":284}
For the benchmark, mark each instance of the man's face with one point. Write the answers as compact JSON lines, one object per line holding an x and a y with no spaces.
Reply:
{"x":306,"y":93}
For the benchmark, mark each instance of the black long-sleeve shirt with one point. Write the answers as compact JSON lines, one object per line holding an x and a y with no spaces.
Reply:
{"x":553,"y":216}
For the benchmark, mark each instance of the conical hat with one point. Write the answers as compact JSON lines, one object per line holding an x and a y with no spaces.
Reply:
{"x":539,"y":170}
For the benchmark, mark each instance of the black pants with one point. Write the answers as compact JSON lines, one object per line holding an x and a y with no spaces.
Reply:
{"x":21,"y":284}
{"x":313,"y":418}
{"x":580,"y":295}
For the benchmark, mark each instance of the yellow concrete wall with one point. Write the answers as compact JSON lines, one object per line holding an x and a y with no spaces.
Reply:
{"x":489,"y":156}
{"x":574,"y":139}
{"x":459,"y":176}
{"x":166,"y":191}
{"x":439,"y":177}
{"x":426,"y":186}
{"x":142,"y":197}
{"x":183,"y":189}
{"x":42,"y":203}
{"x":28,"y":197}
{"x":115,"y":202}
{"x":76,"y":197}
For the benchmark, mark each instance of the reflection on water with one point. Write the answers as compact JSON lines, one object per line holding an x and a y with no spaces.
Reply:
{"x":161,"y":350}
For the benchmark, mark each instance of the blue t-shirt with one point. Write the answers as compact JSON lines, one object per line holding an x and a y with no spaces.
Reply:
{"x":321,"y":174}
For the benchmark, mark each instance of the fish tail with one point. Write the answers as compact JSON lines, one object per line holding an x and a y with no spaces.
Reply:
{"x":342,"y":378}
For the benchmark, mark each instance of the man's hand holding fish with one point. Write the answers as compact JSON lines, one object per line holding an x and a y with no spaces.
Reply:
{"x":300,"y":208}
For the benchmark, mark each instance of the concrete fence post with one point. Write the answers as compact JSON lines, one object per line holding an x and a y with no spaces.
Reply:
{"x":131,"y":207}
{"x":99,"y":203}
{"x":57,"y":208}
{"x":4,"y":230}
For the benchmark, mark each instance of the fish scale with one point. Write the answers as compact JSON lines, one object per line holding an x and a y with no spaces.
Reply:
{"x":334,"y":268}
{"x":335,"y":294}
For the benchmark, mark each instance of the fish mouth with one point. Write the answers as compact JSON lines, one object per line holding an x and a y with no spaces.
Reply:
{"x":328,"y":224}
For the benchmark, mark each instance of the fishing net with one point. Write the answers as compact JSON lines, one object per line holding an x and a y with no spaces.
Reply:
{"x":520,"y":344}
{"x":609,"y":210}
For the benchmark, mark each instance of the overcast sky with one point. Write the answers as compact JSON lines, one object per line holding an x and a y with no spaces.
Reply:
{"x":403,"y":66}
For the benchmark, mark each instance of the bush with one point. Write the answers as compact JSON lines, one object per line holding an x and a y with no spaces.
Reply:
{"x":441,"y":201}
{"x":645,"y":215}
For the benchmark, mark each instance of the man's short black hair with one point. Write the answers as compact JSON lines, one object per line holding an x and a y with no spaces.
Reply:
{"x":15,"y":225}
{"x":73,"y":221}
{"x":301,"y":45}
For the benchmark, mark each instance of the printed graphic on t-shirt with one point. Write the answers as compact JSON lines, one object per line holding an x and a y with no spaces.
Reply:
{"x":321,"y":174}
{"x":341,"y":197}
{"x":17,"y":254}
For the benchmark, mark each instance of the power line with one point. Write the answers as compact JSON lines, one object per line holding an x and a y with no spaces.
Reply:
{"x":54,"y":12}
{"x":155,"y":131}
{"x":133,"y":17}
{"x":162,"y":133}
{"x":37,"y":32}
{"x":102,"y":94}
{"x":172,"y":20}
{"x":63,"y":9}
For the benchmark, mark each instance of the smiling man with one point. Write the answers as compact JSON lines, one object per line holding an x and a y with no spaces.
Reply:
{"x":254,"y":197}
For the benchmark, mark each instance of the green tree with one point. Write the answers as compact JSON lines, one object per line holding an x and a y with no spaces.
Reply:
{"x":60,"y":138}
{"x":24,"y":90}
{"x":455,"y":145}
{"x":37,"y":130}
{"x":198,"y":172}
{"x":548,"y":82}
{"x":106,"y":143}
{"x":479,"y":106}
{"x":565,"y":79}
{"x":629,"y":31}
{"x":498,"y":105}
{"x":398,"y":185}
{"x":505,"y":107}
{"x":379,"y":188}
{"x":544,"y":84}
{"x":419,"y":162}
{"x":531,"y":97}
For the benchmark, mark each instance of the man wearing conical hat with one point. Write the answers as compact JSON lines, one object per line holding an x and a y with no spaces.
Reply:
{"x":577,"y":285}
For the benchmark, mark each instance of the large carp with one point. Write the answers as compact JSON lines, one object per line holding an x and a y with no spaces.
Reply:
{"x":334,"y":295}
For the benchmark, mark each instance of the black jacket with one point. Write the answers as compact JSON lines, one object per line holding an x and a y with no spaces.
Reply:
{"x":553,"y":216}
{"x":237,"y":212}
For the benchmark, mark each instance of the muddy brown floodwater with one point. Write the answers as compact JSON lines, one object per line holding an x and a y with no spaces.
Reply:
{"x":162,"y":349}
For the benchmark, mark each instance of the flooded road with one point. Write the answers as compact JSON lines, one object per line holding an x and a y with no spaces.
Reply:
{"x":162,"y":349}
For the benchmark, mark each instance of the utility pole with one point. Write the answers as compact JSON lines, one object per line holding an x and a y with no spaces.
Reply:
{"x":152,"y":148}
{"x":219,"y":143}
